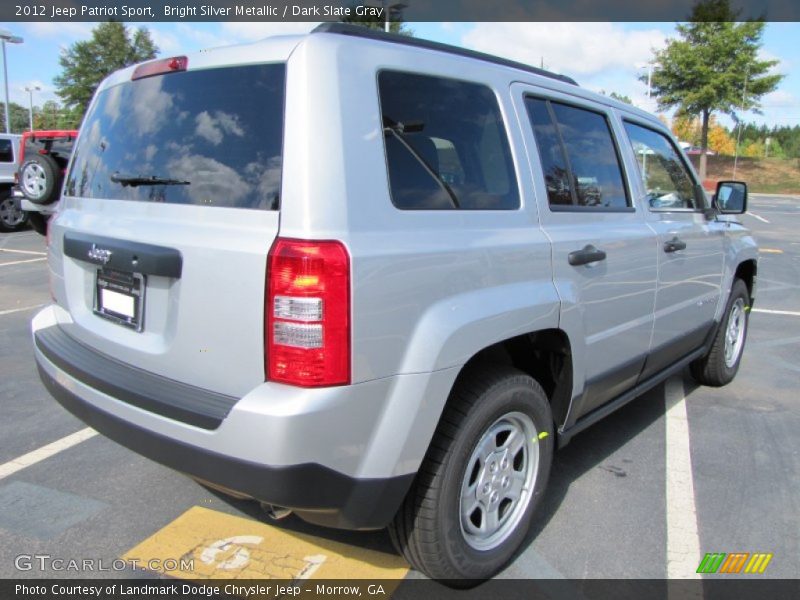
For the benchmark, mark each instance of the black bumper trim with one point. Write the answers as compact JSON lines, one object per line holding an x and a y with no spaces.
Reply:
{"x":165,"y":397}
{"x":318,"y":494}
{"x":124,"y":255}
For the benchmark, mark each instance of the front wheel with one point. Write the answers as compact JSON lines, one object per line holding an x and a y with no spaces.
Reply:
{"x":487,"y":467}
{"x":720,"y":365}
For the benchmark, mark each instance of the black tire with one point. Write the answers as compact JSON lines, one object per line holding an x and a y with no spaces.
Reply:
{"x":715,"y":368}
{"x":38,"y":222}
{"x":428,"y":530}
{"x":40,"y":179}
{"x":12,"y":218}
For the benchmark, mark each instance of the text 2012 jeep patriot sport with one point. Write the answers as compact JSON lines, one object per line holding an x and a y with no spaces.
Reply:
{"x":376,"y":281}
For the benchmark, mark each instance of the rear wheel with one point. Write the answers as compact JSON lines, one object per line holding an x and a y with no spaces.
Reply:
{"x":40,"y":179}
{"x":720,"y":365}
{"x":12,"y":218}
{"x":473,"y":499}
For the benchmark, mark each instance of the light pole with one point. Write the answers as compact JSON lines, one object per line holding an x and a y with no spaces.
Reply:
{"x":650,"y":68}
{"x":7,"y":36}
{"x":739,"y":134}
{"x":30,"y":89}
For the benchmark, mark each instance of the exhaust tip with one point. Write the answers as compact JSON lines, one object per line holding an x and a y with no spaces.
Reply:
{"x":276,"y":513}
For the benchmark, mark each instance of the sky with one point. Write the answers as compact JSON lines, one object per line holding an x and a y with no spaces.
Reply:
{"x":600,"y":56}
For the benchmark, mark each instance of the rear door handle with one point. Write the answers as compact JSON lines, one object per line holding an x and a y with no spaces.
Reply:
{"x":674,"y":245}
{"x":588,"y":254}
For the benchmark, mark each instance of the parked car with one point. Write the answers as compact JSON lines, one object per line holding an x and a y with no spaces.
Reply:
{"x":692,"y":150}
{"x":12,"y":217}
{"x":377,"y":281}
{"x":44,"y":159}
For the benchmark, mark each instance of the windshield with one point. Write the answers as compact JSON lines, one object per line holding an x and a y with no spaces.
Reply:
{"x":217,"y":131}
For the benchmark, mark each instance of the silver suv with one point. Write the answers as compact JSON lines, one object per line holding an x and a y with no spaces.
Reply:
{"x":12,"y":217}
{"x":377,"y":281}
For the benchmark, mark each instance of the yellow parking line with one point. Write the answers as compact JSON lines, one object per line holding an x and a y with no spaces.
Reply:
{"x":207,"y":544}
{"x":770,"y":250}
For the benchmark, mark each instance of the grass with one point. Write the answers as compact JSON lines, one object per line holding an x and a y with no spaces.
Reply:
{"x":765,"y":175}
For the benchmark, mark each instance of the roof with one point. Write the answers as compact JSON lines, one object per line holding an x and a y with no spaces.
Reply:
{"x":393,"y":38}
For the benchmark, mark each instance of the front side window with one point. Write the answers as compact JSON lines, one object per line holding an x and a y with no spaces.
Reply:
{"x":579,"y":158}
{"x":446,"y":144}
{"x":665,"y":177}
{"x":210,"y":137}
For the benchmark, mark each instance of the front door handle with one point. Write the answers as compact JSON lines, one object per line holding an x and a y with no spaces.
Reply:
{"x":586,"y":255}
{"x":674,"y":245}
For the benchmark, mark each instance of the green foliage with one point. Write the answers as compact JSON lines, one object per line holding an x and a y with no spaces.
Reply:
{"x":784,"y":140}
{"x":704,"y":71}
{"x":616,"y":96}
{"x":18,"y":116}
{"x":86,"y":63}
{"x":51,"y":115}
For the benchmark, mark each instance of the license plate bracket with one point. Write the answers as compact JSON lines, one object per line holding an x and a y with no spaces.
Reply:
{"x":119,"y":297}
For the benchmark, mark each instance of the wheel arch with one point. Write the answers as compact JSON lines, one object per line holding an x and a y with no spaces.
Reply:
{"x":747,"y":271}
{"x":545,"y":355}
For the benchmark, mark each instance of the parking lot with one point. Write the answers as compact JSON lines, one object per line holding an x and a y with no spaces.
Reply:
{"x":646,"y":493}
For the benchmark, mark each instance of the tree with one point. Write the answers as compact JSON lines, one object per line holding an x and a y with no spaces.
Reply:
{"x":18,"y":116}
{"x":686,"y":128}
{"x":720,"y":140}
{"x":396,"y":25}
{"x":616,"y":96}
{"x":86,"y":63}
{"x":705,"y":70}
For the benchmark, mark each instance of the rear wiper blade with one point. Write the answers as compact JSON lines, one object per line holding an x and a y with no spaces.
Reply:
{"x":136,"y":180}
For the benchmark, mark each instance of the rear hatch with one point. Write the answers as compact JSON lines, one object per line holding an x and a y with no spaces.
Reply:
{"x":170,"y":208}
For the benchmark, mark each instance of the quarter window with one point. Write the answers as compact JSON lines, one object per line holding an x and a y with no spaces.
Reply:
{"x":579,"y":158}
{"x":6,"y":152}
{"x":446,"y":144}
{"x":665,"y":177}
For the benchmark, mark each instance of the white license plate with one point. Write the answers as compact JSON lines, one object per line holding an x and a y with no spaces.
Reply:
{"x":119,"y":297}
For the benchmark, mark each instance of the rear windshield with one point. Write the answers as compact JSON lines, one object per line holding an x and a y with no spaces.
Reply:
{"x":209,"y":137}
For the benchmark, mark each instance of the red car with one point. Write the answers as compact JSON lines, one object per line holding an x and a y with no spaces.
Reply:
{"x":43,"y":160}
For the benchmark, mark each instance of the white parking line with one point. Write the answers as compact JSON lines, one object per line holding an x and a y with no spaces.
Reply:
{"x":21,"y":309}
{"x":752,"y":214}
{"x":21,"y":262}
{"x":791,"y":313}
{"x":683,"y":541}
{"x":23,"y":251}
{"x":35,"y":456}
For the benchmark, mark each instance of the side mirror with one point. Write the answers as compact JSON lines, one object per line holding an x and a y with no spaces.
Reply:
{"x":731,"y":197}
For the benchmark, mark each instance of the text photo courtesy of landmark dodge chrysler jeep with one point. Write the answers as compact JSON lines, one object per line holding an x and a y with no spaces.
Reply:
{"x":377,"y":281}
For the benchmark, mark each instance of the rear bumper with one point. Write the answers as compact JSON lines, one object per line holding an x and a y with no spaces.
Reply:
{"x":342,"y":457}
{"x":318,"y":494}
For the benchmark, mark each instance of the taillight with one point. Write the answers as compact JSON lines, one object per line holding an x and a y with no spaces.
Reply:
{"x":308,"y":313}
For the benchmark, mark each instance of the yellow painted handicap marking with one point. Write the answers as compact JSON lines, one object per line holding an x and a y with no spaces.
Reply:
{"x":207,"y":544}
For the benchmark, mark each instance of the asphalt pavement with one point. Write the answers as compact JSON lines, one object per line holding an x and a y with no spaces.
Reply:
{"x":605,"y":515}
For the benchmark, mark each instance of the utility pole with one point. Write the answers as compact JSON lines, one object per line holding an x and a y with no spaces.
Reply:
{"x":739,"y":134}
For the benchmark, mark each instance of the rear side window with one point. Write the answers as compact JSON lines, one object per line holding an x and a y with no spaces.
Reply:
{"x":579,"y":158}
{"x":6,"y":151}
{"x":446,"y":144}
{"x":209,"y":137}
